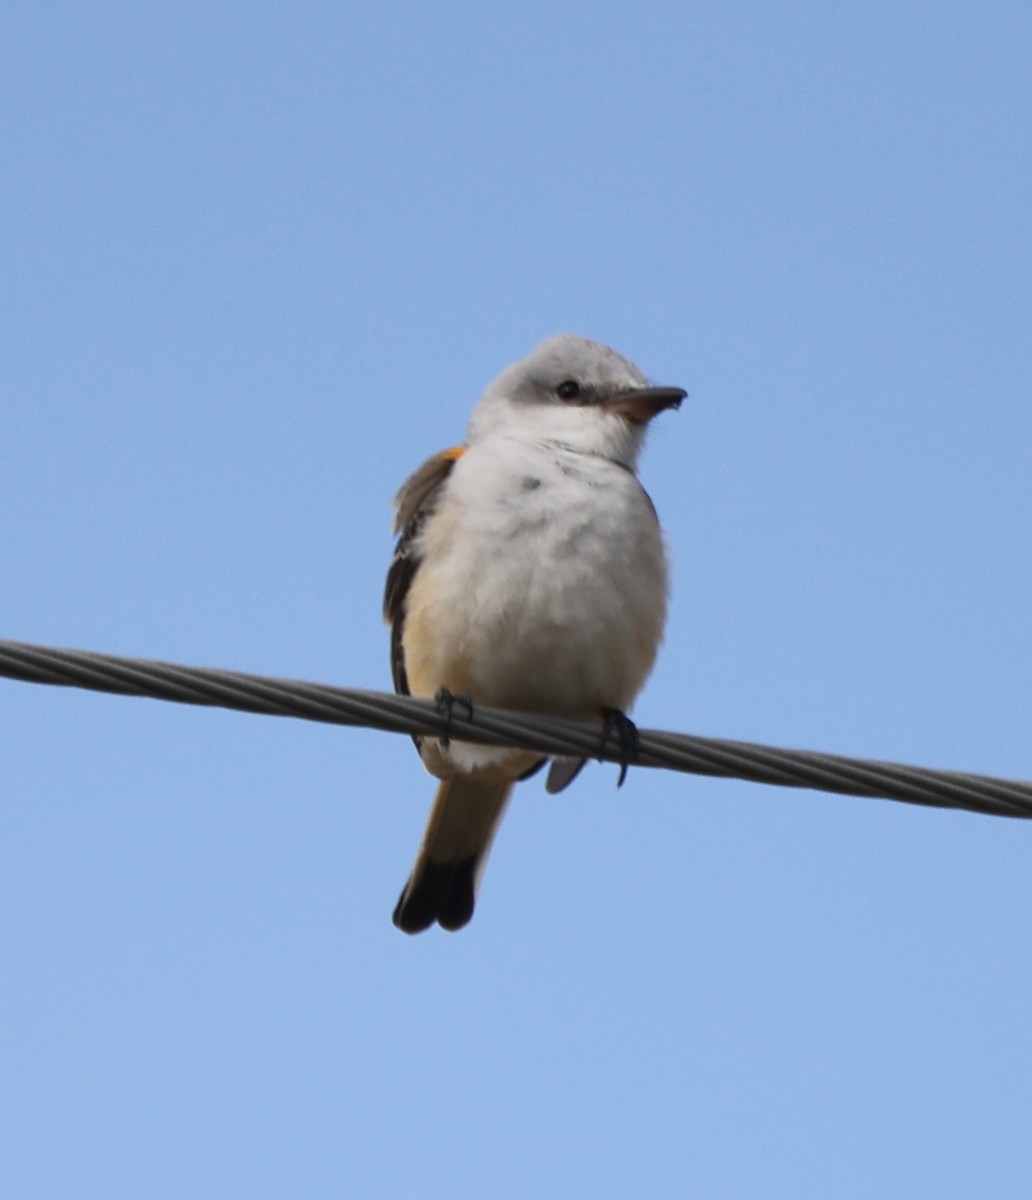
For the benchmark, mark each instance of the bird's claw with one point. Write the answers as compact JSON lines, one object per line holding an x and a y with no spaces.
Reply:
{"x":620,"y":727}
{"x":446,"y":703}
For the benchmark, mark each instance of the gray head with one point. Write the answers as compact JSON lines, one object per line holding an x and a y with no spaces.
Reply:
{"x":576,"y":393}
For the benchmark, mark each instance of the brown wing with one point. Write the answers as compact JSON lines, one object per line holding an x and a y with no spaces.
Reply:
{"x":416,"y":500}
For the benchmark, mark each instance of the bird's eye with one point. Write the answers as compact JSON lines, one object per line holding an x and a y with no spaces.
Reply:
{"x":569,"y":389}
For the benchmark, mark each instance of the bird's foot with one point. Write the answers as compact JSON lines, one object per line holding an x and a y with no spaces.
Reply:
{"x":446,"y":704}
{"x":620,"y":727}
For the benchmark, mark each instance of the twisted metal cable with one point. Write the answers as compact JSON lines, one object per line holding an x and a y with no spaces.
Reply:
{"x":499,"y":727}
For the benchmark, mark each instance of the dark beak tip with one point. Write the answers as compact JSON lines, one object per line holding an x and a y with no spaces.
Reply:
{"x":669,"y":398}
{"x":641,"y":405}
{"x":672,"y":396}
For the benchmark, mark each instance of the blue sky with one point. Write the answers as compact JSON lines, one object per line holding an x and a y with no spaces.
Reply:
{"x":259,"y":261}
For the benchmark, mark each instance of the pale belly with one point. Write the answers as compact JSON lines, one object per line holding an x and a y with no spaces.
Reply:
{"x":551,"y":598}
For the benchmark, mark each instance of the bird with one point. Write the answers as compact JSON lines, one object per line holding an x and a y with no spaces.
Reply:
{"x":529,"y":573}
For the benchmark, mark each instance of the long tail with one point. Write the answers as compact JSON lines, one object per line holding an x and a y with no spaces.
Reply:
{"x":443,"y":883}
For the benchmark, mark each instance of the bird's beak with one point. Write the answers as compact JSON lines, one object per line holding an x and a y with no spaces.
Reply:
{"x":641,"y":405}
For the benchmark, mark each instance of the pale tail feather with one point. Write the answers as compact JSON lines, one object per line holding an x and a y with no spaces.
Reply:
{"x":444,"y":880}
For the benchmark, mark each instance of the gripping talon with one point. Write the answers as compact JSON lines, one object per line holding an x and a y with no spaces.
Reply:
{"x":446,"y":704}
{"x":620,"y":726}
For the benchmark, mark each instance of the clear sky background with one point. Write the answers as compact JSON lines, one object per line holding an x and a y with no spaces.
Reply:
{"x":258,"y":262}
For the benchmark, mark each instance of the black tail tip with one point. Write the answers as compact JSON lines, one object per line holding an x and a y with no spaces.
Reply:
{"x":443,"y":893}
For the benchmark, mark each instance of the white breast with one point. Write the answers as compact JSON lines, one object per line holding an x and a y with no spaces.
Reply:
{"x":542,"y":584}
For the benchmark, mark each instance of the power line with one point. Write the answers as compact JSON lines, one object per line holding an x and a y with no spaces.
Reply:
{"x":499,"y":727}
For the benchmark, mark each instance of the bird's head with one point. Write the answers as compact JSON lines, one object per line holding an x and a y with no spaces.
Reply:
{"x":576,"y":393}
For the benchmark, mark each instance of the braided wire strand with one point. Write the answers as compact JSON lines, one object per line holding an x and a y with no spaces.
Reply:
{"x":492,"y":726}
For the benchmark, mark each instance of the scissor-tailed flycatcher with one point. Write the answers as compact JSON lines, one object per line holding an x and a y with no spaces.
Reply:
{"x":529,"y":574}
